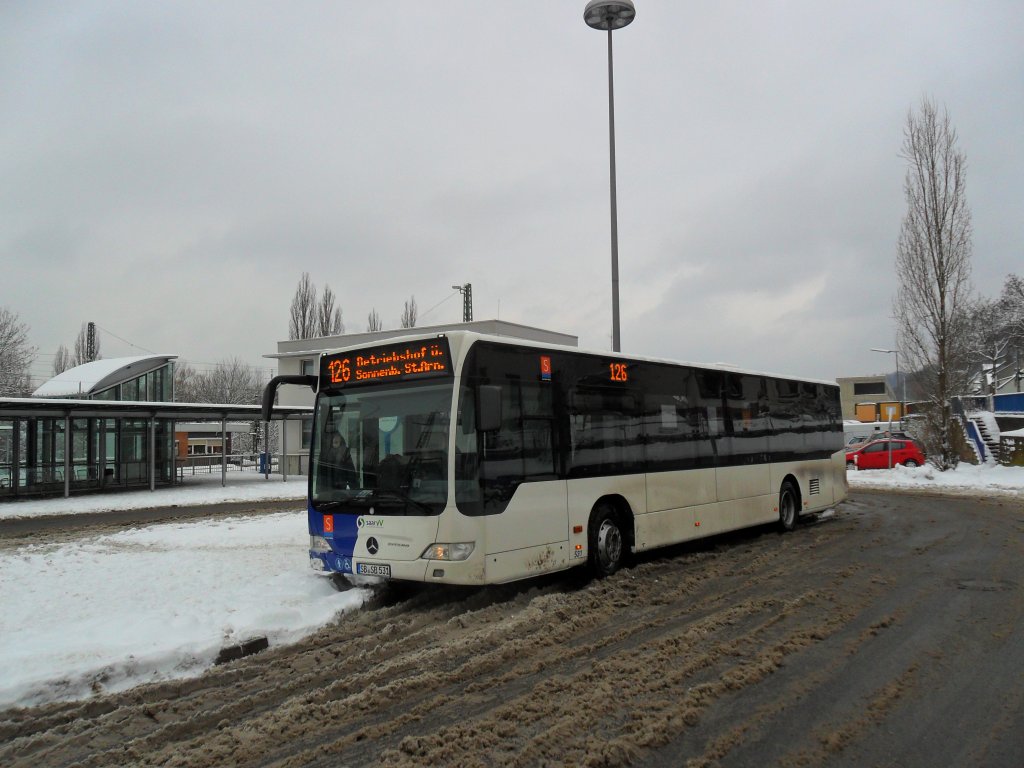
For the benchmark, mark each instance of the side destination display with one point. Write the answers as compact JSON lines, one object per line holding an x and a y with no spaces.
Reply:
{"x":386,"y":362}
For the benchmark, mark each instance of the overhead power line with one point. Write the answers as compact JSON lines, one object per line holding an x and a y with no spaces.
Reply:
{"x":447,"y":298}
{"x":130,"y":344}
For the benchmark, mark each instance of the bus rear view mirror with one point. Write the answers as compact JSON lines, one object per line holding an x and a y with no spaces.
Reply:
{"x":489,"y":408}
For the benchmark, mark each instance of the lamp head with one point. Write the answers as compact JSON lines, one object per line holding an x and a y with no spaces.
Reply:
{"x":609,"y":14}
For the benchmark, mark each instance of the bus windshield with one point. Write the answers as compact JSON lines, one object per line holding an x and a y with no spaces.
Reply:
{"x":382,"y":450}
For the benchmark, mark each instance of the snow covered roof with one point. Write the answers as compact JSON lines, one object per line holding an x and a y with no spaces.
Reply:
{"x":89,"y":378}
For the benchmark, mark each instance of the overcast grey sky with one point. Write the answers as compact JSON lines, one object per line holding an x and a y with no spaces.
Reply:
{"x":171,"y":168}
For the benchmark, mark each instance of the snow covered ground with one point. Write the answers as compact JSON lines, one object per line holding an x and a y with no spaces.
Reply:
{"x":112,"y":611}
{"x":966,"y":479}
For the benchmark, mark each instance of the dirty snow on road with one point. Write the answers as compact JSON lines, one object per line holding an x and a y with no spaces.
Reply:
{"x":108,"y":612}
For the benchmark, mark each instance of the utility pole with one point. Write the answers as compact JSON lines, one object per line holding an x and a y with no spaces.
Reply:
{"x":467,"y":301}
{"x":90,"y":343}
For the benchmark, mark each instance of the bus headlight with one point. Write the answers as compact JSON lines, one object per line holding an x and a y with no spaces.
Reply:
{"x":454,"y":552}
{"x":319,"y":544}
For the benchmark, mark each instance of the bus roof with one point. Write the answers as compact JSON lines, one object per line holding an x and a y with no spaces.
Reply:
{"x":465,"y":338}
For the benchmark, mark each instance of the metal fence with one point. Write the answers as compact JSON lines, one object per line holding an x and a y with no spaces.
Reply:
{"x":209,"y":463}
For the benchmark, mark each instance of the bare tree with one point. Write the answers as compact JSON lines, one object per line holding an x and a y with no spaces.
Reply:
{"x":933,"y":267}
{"x":302,"y":319}
{"x":988,"y":342}
{"x":1011,"y":310}
{"x":61,"y":360}
{"x":329,"y":322}
{"x":184,"y":382}
{"x":409,"y":313}
{"x":229,"y":381}
{"x":16,"y":355}
{"x":1010,"y":320}
{"x":373,"y":322}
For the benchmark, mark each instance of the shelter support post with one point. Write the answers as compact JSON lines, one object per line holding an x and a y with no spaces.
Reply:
{"x":284,"y":450}
{"x":223,"y":452}
{"x":266,"y":449}
{"x":152,"y":453}
{"x":16,"y":457}
{"x":67,"y":454}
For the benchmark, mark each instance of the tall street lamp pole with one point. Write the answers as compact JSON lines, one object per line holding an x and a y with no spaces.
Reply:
{"x":609,"y":15}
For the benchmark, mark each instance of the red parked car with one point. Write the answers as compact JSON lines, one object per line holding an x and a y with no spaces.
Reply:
{"x":876,"y":454}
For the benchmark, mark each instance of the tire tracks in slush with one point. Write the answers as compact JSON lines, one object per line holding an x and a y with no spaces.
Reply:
{"x":684,"y":658}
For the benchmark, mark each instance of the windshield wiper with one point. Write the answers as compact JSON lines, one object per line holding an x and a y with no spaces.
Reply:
{"x":393,"y":496}
{"x":326,"y":506}
{"x":388,"y":498}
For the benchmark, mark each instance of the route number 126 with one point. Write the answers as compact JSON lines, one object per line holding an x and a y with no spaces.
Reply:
{"x":618,"y":372}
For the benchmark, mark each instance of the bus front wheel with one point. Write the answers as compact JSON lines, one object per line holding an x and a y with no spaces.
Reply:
{"x":607,"y":544}
{"x":788,"y":501}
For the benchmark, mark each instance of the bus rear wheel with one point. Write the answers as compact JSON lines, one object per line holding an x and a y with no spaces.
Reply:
{"x":787,"y":507}
{"x":606,"y":542}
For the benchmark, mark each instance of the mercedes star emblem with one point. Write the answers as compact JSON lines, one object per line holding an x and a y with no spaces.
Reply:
{"x":372,"y":546}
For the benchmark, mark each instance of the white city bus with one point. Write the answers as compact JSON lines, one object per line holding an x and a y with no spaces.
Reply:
{"x":472,"y":459}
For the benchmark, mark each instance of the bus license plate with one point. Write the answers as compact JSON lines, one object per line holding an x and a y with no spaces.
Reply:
{"x":374,"y":569}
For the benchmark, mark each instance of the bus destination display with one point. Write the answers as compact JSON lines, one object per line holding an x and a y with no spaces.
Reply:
{"x":394,"y":362}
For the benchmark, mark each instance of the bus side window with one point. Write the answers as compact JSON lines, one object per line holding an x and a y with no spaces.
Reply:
{"x":501,"y":464}
{"x":538,"y":432}
{"x":467,"y":456}
{"x":606,"y":431}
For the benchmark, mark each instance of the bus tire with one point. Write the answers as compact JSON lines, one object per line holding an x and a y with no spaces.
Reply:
{"x":789,"y":502}
{"x":606,"y":541}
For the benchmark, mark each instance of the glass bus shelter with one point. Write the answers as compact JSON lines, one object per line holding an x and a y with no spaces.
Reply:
{"x":54,"y":447}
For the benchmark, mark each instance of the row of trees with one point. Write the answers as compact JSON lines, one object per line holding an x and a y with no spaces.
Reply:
{"x":313,"y":314}
{"x":228,"y":382}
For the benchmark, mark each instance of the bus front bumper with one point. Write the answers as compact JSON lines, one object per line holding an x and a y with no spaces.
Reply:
{"x":466,"y":572}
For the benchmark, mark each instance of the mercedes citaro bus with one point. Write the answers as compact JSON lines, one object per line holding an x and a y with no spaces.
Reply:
{"x":470,"y":459}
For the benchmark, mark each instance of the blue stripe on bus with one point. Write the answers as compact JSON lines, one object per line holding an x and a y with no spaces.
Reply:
{"x":342,"y":539}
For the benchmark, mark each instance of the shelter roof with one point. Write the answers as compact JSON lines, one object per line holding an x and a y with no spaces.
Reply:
{"x":29,"y":407}
{"x":89,"y":378}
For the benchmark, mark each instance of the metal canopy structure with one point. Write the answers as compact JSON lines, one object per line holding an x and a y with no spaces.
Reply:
{"x":68,"y":410}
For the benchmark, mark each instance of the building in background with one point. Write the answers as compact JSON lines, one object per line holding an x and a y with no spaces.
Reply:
{"x":201,"y":443}
{"x":869,"y":399}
